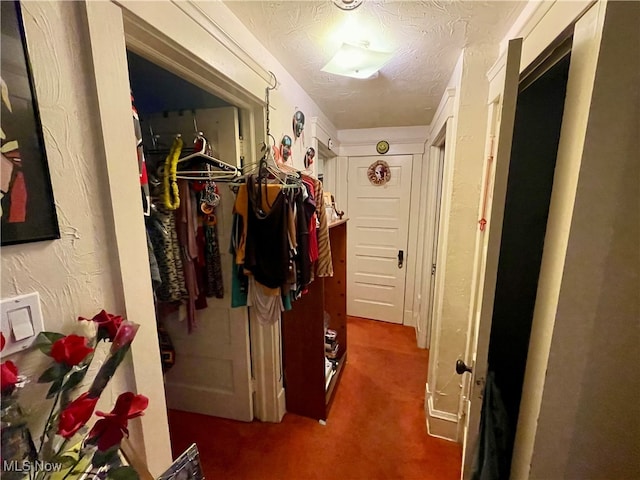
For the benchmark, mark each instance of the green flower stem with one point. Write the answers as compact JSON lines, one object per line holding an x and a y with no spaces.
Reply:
{"x":108,"y":370}
{"x":73,"y":466}
{"x":48,"y":424}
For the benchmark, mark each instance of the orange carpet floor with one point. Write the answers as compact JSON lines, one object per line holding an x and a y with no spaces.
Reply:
{"x":375,"y":430}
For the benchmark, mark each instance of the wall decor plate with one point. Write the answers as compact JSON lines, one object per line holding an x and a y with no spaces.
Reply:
{"x":382,"y":147}
{"x":298,"y":123}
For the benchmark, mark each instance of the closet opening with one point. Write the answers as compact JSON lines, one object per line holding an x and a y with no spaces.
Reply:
{"x":536,"y":135}
{"x":191,"y":144}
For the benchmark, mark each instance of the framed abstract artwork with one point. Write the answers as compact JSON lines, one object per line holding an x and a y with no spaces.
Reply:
{"x":28,"y":209}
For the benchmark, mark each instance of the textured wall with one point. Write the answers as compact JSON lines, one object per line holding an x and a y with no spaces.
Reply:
{"x":461,"y":211}
{"x":76,"y":275}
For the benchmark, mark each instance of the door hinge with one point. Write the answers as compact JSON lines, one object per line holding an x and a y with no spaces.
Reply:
{"x":433,"y":269}
{"x":253,"y":385}
{"x":241,"y":145}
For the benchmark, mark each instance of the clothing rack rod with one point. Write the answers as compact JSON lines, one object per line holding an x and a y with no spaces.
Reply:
{"x":165,"y":151}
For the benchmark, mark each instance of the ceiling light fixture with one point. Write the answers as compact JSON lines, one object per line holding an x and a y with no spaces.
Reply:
{"x":356,"y":61}
{"x":347,"y":4}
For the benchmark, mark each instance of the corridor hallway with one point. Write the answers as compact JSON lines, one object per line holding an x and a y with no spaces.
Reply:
{"x":375,"y":429}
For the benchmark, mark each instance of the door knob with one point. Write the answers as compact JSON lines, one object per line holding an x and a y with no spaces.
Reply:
{"x":461,"y":367}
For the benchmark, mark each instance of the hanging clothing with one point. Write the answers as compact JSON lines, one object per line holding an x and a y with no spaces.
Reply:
{"x":164,"y":238}
{"x":304,"y":214}
{"x":156,"y":279}
{"x":266,"y":307}
{"x":187,"y":224}
{"x":324,"y":267}
{"x":311,"y":218}
{"x":167,"y":350}
{"x":267,"y":244}
{"x":208,"y":266}
{"x":210,"y":249}
{"x":215,"y":287}
{"x":239,"y":281}
{"x":142,"y":165}
{"x":241,"y":208}
{"x":239,"y":286}
{"x":491,"y":461}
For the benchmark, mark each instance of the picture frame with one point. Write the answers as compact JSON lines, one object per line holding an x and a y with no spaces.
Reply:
{"x":186,"y":467}
{"x":26,"y":195}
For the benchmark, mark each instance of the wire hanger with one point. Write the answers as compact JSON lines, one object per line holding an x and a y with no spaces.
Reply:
{"x":210,"y":160}
{"x":267,"y":167}
{"x":226,"y":170}
{"x":267,"y":163}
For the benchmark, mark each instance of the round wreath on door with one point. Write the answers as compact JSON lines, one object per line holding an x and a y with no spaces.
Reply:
{"x":379,"y":173}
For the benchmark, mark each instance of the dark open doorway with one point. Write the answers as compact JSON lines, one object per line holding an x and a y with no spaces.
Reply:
{"x":536,"y":135}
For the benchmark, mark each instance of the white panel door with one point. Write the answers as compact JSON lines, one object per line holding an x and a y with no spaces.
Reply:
{"x":212,"y":373}
{"x":487,"y":283}
{"x":378,"y":232}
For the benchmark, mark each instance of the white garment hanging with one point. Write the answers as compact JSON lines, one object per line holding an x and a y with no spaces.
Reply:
{"x":267,"y":307}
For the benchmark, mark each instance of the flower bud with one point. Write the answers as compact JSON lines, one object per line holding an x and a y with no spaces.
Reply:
{"x":126,"y":334}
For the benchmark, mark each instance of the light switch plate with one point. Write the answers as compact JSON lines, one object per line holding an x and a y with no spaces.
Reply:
{"x":15,"y":314}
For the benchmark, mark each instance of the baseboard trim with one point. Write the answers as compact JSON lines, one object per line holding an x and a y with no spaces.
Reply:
{"x":440,"y":424}
{"x":409,"y":319}
{"x":281,"y":405}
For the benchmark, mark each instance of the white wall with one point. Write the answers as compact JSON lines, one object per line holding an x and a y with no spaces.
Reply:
{"x":458,"y":226}
{"x":77,"y":275}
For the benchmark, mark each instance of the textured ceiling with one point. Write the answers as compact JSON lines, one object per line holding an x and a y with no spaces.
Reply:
{"x":426,"y":38}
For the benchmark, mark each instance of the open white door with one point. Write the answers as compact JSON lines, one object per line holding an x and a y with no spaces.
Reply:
{"x":491,"y":245}
{"x":212,"y":373}
{"x":377,"y":239}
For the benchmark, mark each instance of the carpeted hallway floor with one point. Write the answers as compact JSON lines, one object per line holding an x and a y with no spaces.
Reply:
{"x":375,"y":430}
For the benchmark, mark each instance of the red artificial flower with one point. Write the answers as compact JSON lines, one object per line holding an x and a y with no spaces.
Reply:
{"x":2,"y":341}
{"x":70,"y":350}
{"x":110,"y":430}
{"x":106,"y":322}
{"x":126,"y":334}
{"x":8,"y":376}
{"x":76,"y":415}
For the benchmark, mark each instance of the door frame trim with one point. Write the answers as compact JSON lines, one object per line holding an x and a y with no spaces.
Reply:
{"x":112,"y":26}
{"x":439,"y":423}
{"x":265,"y":341}
{"x":437,"y":153}
{"x":404,"y":141}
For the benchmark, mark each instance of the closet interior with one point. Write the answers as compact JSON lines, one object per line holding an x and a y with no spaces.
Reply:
{"x":227,"y":234}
